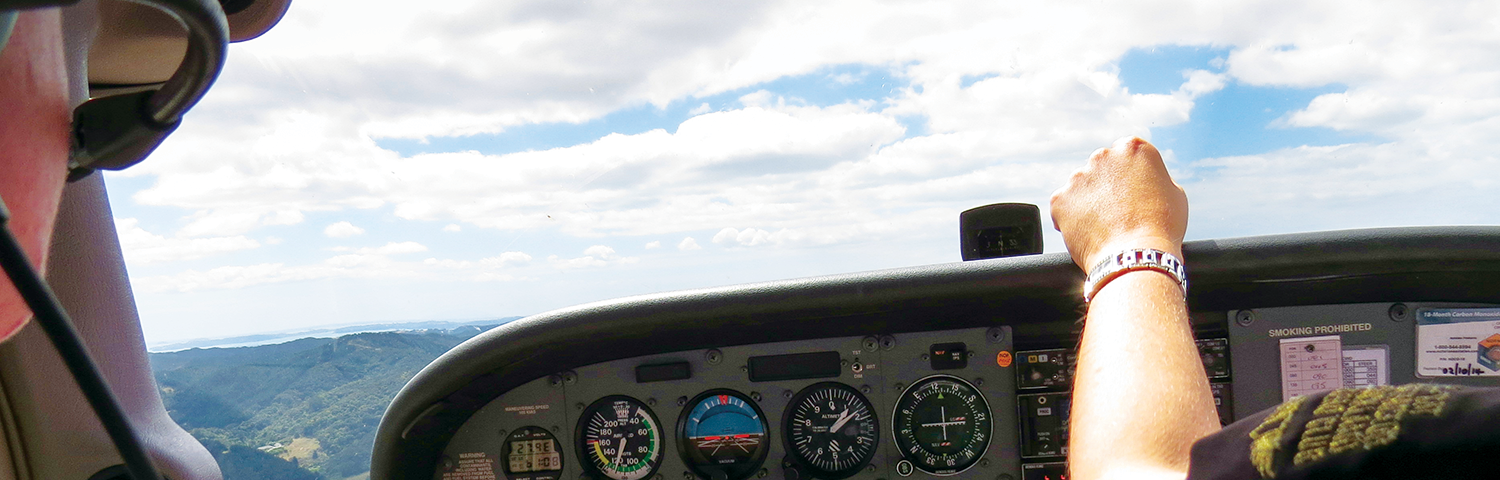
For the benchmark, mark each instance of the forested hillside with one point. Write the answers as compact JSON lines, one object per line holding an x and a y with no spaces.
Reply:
{"x":304,"y":409}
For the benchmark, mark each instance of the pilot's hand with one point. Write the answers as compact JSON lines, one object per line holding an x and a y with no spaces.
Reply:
{"x":1122,"y":199}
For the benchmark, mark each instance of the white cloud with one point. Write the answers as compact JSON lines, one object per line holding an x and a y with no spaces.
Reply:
{"x":594,"y":256}
{"x":601,"y":251}
{"x":293,"y":127}
{"x":1049,"y":93}
{"x":362,"y":263}
{"x":721,"y":166}
{"x":845,"y":78}
{"x":441,"y":70}
{"x":578,"y":262}
{"x":507,"y":259}
{"x":487,"y":269}
{"x":1361,"y":110}
{"x":751,"y":237}
{"x":1345,"y":186}
{"x":655,"y":244}
{"x":342,"y":230}
{"x":236,"y":276}
{"x":234,"y":221}
{"x":1200,"y":82}
{"x":393,"y":248}
{"x":144,"y":248}
{"x":453,"y":228}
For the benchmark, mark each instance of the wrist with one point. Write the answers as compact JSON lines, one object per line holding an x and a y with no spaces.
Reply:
{"x":1134,"y":260}
{"x":1115,"y":246}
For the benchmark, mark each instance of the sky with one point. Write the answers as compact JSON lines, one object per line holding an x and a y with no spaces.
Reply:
{"x":372,"y":162}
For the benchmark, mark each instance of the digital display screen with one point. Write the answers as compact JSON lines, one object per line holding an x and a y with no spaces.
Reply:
{"x":795,"y":366}
{"x":534,"y":456}
{"x":1006,"y":241}
{"x":663,"y":372}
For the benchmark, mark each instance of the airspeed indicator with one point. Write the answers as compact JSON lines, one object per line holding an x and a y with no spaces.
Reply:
{"x":619,"y":438}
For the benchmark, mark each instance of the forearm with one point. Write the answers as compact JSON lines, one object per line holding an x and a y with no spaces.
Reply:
{"x":1140,"y":390}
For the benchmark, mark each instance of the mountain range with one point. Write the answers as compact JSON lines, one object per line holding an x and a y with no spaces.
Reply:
{"x":304,"y":409}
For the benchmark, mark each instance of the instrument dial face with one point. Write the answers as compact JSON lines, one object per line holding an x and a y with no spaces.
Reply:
{"x":619,"y":438}
{"x":831,"y":430}
{"x":942,"y":424}
{"x":724,"y":435}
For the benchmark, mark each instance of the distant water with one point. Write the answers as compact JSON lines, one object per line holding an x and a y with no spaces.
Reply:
{"x":282,"y":337}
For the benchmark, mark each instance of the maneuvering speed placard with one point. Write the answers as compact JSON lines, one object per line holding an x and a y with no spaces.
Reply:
{"x":942,"y":424}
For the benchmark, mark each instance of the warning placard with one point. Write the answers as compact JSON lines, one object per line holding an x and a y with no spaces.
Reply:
{"x":1458,"y":342}
{"x":471,"y":466}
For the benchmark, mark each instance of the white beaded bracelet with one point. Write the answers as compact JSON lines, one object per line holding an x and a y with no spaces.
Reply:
{"x":1134,"y":259}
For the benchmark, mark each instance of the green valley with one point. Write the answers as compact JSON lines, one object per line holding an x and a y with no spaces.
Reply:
{"x":305,"y":409}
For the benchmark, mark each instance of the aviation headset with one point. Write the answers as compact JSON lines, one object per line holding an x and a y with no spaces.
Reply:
{"x":115,"y":132}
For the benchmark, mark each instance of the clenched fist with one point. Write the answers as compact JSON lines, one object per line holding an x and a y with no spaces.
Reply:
{"x":1122,"y":198}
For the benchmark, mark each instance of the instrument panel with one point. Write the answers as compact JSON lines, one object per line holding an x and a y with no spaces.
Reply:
{"x":958,"y":403}
{"x":937,"y":403}
{"x":956,"y":370}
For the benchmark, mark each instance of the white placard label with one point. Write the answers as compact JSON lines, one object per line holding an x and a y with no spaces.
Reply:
{"x":1458,"y":342}
{"x":1311,"y":365}
{"x":1366,"y":366}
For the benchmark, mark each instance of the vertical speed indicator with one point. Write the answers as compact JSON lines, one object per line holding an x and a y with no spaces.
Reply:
{"x":942,"y":424}
{"x":619,"y":438}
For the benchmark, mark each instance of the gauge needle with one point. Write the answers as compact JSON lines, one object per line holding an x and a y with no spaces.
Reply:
{"x":943,"y":414}
{"x":843,"y":418}
{"x":621,"y":452}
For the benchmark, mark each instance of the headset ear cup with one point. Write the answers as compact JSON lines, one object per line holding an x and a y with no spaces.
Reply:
{"x":252,"y":18}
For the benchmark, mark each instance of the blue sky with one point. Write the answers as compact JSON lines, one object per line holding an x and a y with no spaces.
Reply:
{"x":1236,"y":120}
{"x":338,"y":175}
{"x":832,"y":85}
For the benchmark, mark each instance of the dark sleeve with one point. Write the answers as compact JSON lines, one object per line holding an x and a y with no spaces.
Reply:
{"x":1407,"y":432}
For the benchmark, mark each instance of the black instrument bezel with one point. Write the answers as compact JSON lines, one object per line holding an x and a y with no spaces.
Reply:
{"x":682,"y":443}
{"x":583,"y":419}
{"x":786,"y":429}
{"x":989,"y":433}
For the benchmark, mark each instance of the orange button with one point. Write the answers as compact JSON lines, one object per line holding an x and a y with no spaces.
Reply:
{"x":1003,"y":359}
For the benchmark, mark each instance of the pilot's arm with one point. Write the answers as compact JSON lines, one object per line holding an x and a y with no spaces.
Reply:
{"x":1140,"y":398}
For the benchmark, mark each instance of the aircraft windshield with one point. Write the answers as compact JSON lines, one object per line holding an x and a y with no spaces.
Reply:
{"x":464,"y":160}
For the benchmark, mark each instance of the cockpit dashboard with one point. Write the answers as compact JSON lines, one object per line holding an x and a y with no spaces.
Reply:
{"x":958,"y":370}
